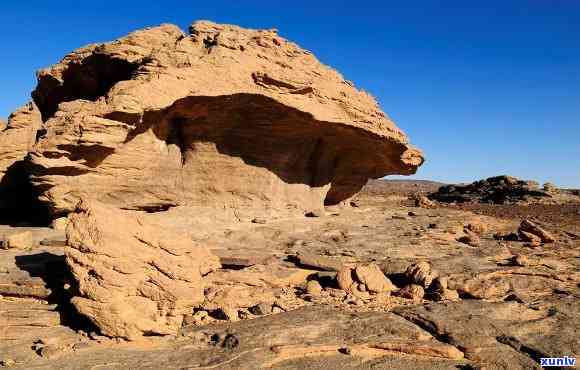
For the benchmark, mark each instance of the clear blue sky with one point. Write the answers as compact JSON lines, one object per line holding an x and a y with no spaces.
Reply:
{"x":484,"y":89}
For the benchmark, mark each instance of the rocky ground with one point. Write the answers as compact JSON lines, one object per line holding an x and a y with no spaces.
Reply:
{"x":377,"y":284}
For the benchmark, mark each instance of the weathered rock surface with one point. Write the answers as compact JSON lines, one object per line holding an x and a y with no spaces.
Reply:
{"x":134,"y":278}
{"x":17,"y":138}
{"x":239,"y":121}
{"x":500,"y":305}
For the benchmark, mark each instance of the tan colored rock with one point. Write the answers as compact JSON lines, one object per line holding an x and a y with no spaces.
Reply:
{"x":134,"y":277}
{"x":313,"y":287}
{"x":59,"y":223}
{"x":17,"y":137}
{"x":19,"y":240}
{"x":420,"y":274}
{"x":470,"y":238}
{"x":412,"y":291}
{"x":446,"y":295}
{"x":239,"y":121}
{"x":532,"y":228}
{"x":345,"y":280}
{"x":477,"y":226}
{"x":529,"y":238}
{"x":422,"y":201}
{"x":373,"y":278}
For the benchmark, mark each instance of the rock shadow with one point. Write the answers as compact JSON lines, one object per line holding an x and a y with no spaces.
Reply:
{"x":54,"y":272}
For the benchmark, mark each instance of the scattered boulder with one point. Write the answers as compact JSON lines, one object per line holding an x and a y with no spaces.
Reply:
{"x":529,"y":227}
{"x":412,"y":291}
{"x":470,"y":238}
{"x":313,"y":288}
{"x":345,"y":279}
{"x":421,"y":274}
{"x":134,"y":277}
{"x":18,"y":240}
{"x":59,"y":223}
{"x":422,"y":201}
{"x":373,"y":278}
{"x":248,"y":123}
{"x":477,"y":227}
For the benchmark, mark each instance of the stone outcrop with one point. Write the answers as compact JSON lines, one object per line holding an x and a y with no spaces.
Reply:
{"x":134,"y":277}
{"x":17,"y":138}
{"x":234,"y":120}
{"x":495,"y":190}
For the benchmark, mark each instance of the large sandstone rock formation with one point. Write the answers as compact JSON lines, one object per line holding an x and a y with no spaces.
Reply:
{"x":223,"y":118}
{"x":17,"y":138}
{"x":134,"y":277}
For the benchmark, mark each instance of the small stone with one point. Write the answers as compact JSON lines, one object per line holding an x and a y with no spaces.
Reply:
{"x":470,"y":239}
{"x":412,"y":214}
{"x":20,"y":240}
{"x":230,"y":313}
{"x":398,"y":217}
{"x":374,"y":279}
{"x":261,"y":309}
{"x":80,"y":346}
{"x":420,"y":274}
{"x":313,"y":288}
{"x":529,"y":227}
{"x":521,"y":260}
{"x":477,"y":227}
{"x":231,"y":341}
{"x":259,"y":220}
{"x":7,"y":362}
{"x":351,"y":299}
{"x":315,"y":213}
{"x":412,"y":291}
{"x":50,"y":351}
{"x":277,"y":310}
{"x":446,"y":295}
{"x":59,"y":223}
{"x":344,"y":279}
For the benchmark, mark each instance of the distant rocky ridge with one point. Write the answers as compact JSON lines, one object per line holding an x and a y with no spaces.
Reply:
{"x":496,"y":190}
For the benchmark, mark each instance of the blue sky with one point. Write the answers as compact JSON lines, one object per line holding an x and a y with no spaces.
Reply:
{"x":484,"y":89}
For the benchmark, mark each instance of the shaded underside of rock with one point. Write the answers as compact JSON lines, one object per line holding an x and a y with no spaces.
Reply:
{"x":225,"y":118}
{"x":17,"y":137}
{"x":134,"y":278}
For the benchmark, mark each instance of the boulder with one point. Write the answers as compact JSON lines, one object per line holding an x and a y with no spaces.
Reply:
{"x":237,"y":121}
{"x":373,"y":278}
{"x":19,"y":240}
{"x":529,"y":227}
{"x":134,"y":278}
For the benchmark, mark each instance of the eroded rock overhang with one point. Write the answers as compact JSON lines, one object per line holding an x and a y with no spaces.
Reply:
{"x":223,"y":118}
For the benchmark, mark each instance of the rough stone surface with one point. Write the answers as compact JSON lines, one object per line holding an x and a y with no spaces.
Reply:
{"x":134,"y":278}
{"x":234,"y":120}
{"x":530,"y":227}
{"x":502,"y":305}
{"x":17,"y":138}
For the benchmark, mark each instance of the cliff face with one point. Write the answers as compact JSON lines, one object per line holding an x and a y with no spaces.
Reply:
{"x":235,"y":120}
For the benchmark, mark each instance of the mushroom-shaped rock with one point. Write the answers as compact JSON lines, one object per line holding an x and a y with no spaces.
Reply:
{"x":236,"y":120}
{"x":134,"y":277}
